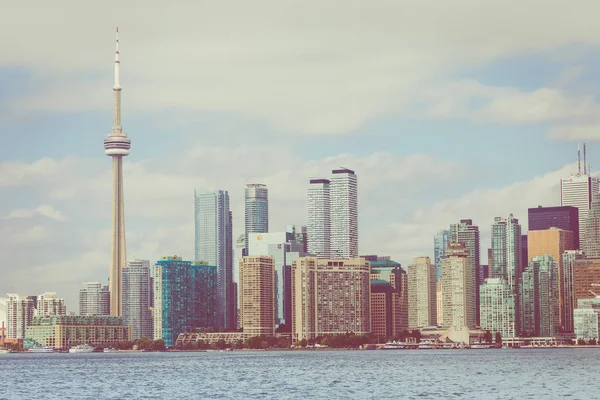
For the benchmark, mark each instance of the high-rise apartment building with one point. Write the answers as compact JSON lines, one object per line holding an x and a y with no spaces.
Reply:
{"x":318,"y":218}
{"x":19,"y":313}
{"x":568,"y":260}
{"x":458,"y":290}
{"x":422,"y":300}
{"x":256,"y":209}
{"x":330,"y":297}
{"x":344,"y":214}
{"x":524,"y":252}
{"x":587,"y":319}
{"x":439,"y":303}
{"x":591,"y":228}
{"x":498,"y":307}
{"x":506,"y":250}
{"x":184,"y":297}
{"x":441,"y":240}
{"x":257,"y":300}
{"x":586,"y":278}
{"x":214,"y":245}
{"x":136,"y":298}
{"x":48,"y":304}
{"x":565,"y":218}
{"x":386,"y":270}
{"x":578,"y":191}
{"x":539,"y":298}
{"x":553,"y":242}
{"x":94,"y":299}
{"x":468,"y":234}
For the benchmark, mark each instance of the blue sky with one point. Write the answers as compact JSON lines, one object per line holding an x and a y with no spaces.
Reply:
{"x":444,"y":113}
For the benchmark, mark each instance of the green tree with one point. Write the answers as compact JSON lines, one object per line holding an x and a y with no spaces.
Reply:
{"x":159,"y":345}
{"x":498,"y":338}
{"x":487,"y":337}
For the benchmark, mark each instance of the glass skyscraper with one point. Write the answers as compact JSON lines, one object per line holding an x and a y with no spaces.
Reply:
{"x":441,"y":240}
{"x":318,"y":217}
{"x":468,"y":234}
{"x":539,"y":299}
{"x":497,"y":302}
{"x":136,"y":298}
{"x":214,"y":245}
{"x":506,"y":250}
{"x":256,"y":210}
{"x":344,"y":214}
{"x":565,"y":217}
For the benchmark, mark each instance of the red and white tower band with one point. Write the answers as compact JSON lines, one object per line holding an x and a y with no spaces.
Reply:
{"x":117,"y":145}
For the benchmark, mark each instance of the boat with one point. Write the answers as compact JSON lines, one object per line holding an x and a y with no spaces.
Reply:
{"x":110,"y":350}
{"x":427,"y":345}
{"x":41,"y":349}
{"x":480,"y":345}
{"x":393,"y":345}
{"x":82,"y":348}
{"x":5,"y":351}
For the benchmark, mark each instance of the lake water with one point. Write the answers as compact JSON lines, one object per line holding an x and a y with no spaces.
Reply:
{"x":410,"y":374}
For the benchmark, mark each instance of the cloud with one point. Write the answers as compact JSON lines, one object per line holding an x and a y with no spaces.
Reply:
{"x":44,"y":210}
{"x":575,"y":132}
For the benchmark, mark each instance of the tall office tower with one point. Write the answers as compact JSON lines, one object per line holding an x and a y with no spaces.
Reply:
{"x":116,"y":146}
{"x":384,"y":269}
{"x":257,"y":300}
{"x":48,"y":304}
{"x":553,"y":242}
{"x":19,"y":313}
{"x":506,"y":250}
{"x":256,"y":209}
{"x":94,"y":299}
{"x":498,"y":307}
{"x":568,"y":260}
{"x":214,"y":245}
{"x":344,"y":214}
{"x":565,"y":218}
{"x":318,"y":218}
{"x":422,"y":300}
{"x":591,"y":227}
{"x":440,"y":242}
{"x":284,"y":248}
{"x":184,"y":297}
{"x":458,"y":290}
{"x":468,"y":234}
{"x":539,"y":298}
{"x":299,"y":234}
{"x":136,"y":298}
{"x":381,"y":309}
{"x":586,"y":277}
{"x":524,"y":252}
{"x":330,"y":297}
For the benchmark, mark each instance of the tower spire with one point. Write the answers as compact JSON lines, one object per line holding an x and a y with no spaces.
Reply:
{"x":117,"y":86}
{"x":117,"y":129}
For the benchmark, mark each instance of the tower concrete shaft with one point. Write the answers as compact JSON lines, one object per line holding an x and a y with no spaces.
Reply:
{"x":117,"y":145}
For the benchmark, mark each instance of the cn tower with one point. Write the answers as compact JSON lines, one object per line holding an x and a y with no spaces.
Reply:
{"x":117,"y":145}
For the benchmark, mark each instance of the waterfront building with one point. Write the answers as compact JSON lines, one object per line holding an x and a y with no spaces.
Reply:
{"x":587,"y":319}
{"x":382,"y":319}
{"x":94,"y":299}
{"x":553,"y":242}
{"x":586,"y":277}
{"x":318,"y":218}
{"x":49,"y":304}
{"x":344,"y":214}
{"x":497,"y":307}
{"x":117,"y":146}
{"x":563,"y":217}
{"x":136,"y":298}
{"x":458,"y":290}
{"x":591,"y":227}
{"x":468,"y":234}
{"x":422,"y":301}
{"x":214,"y":245}
{"x":506,"y":250}
{"x":19,"y":313}
{"x":184,"y":297}
{"x":330,"y":297}
{"x":257,"y":300}
{"x":439,"y":301}
{"x":440,"y":242}
{"x":539,"y":298}
{"x":256,"y":210}
{"x":568,"y":260}
{"x":65,"y":331}
{"x":387,"y":270}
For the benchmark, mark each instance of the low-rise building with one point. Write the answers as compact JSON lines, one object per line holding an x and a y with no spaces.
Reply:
{"x":587,"y":319}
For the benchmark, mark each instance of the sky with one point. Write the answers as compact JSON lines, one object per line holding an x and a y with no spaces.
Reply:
{"x":445,"y":110}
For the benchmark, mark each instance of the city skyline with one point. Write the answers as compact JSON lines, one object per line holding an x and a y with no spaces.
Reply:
{"x":55,"y":210}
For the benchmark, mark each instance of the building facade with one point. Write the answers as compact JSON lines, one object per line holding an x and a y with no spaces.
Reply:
{"x":578,"y":191}
{"x":256,"y":210}
{"x":19,"y":313}
{"x":318,"y":217}
{"x":506,"y":250}
{"x":214,"y":245}
{"x":257,"y":300}
{"x":391,"y":272}
{"x":539,"y":298}
{"x":94,"y":299}
{"x":457,"y":288}
{"x":591,"y":227}
{"x":468,"y":234}
{"x":422,"y":295}
{"x":136,"y":298}
{"x":587,"y":319}
{"x":568,"y":260}
{"x":564,"y":217}
{"x":344,"y":214}
{"x":586,"y":277}
{"x":330,"y":297}
{"x":441,"y":240}
{"x":48,"y":304}
{"x":498,"y":307}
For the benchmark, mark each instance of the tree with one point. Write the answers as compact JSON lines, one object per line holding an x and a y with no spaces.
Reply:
{"x":487,"y":337}
{"x":498,"y":338}
{"x":159,"y":345}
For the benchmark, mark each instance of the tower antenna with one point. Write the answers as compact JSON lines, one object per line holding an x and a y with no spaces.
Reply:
{"x":578,"y":159}
{"x":585,"y":170}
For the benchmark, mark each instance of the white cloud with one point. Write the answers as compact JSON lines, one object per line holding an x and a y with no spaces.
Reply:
{"x":44,"y":210}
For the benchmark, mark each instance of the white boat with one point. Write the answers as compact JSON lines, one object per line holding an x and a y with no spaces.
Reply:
{"x":41,"y":349}
{"x":110,"y":350}
{"x":82,"y":348}
{"x":5,"y":351}
{"x":427,"y":345}
{"x":393,"y":345}
{"x":480,"y":345}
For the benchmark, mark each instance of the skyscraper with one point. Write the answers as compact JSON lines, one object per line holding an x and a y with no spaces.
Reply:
{"x":422,"y":299}
{"x":214,"y":245}
{"x":458,"y":290}
{"x":344,"y":214}
{"x":591,"y":241}
{"x":48,"y":304}
{"x":539,"y":298}
{"x":440,"y":242}
{"x":136,"y":298}
{"x":318,"y":218}
{"x":94,"y":299}
{"x":257,"y":300}
{"x":568,"y":260}
{"x":391,"y":272}
{"x":498,"y":307}
{"x":468,"y":234}
{"x":566,"y":218}
{"x":256,"y":210}
{"x":117,"y":145}
{"x":506,"y":250}
{"x":19,"y":313}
